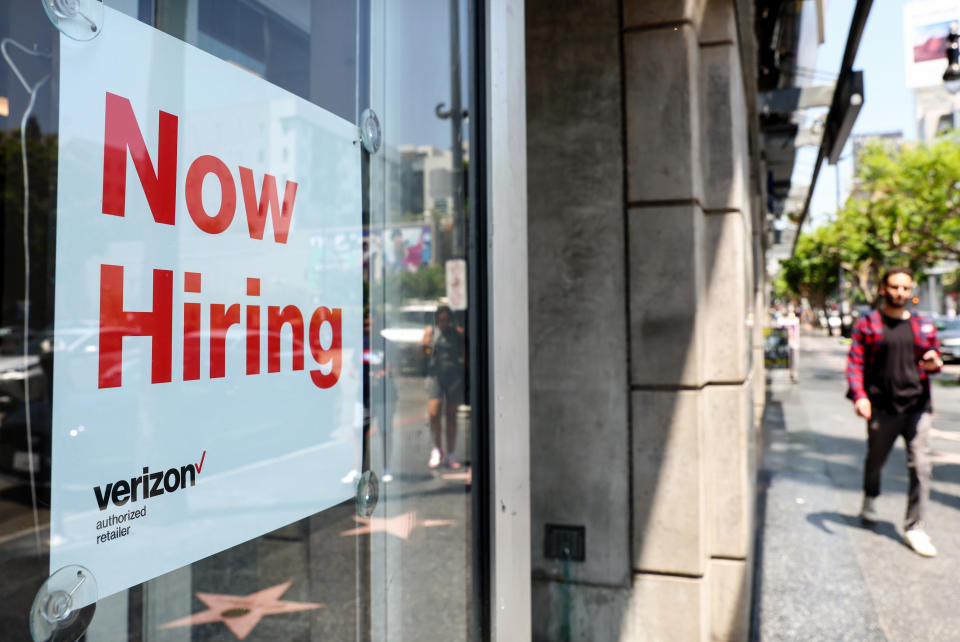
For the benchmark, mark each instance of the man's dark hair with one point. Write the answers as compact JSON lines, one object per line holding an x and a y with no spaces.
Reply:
{"x":895,"y":270}
{"x":443,"y":309}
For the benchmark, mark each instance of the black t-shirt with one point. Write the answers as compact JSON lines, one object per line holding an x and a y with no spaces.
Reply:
{"x":893,"y":383}
{"x":446,"y":354}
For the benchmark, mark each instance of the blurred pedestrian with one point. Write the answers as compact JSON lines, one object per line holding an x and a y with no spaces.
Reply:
{"x":445,"y":352}
{"x":891,"y":355}
{"x":398,"y":264}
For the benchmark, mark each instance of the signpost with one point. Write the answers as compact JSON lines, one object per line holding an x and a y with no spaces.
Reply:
{"x":456,"y":280}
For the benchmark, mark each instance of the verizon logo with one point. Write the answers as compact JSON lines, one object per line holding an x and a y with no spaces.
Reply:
{"x":148,"y":484}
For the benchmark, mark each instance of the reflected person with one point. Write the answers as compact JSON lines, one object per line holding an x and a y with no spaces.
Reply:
{"x":399,"y":251}
{"x":891,"y":355}
{"x":445,"y":349}
{"x":383,"y":375}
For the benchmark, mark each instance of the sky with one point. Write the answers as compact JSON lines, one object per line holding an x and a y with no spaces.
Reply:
{"x":888,"y":104}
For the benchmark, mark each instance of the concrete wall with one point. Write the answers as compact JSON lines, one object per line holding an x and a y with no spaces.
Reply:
{"x":643,"y":352}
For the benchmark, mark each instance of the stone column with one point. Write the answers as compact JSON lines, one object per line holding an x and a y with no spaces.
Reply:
{"x":641,"y":254}
{"x":667,"y":302}
{"x":578,"y":337}
{"x":729,"y":432}
{"x":691,"y":304}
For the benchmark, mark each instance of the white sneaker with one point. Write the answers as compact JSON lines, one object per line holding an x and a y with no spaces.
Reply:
{"x":435,"y":458}
{"x":918,"y":540}
{"x":350,"y":477}
{"x":869,"y":511}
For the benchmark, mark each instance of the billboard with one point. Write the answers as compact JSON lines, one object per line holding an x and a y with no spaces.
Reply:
{"x":925,"y":28}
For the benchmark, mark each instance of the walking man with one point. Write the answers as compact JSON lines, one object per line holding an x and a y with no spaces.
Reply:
{"x":887,"y":371}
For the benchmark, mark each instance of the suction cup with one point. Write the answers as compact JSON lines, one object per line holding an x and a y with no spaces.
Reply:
{"x":78,"y":19}
{"x":64,"y":606}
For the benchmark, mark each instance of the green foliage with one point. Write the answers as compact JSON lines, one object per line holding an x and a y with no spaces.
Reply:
{"x":813,"y":270}
{"x":427,"y":283}
{"x":781,"y":290}
{"x":951,"y":282}
{"x":904,"y":211}
{"x":42,"y":168}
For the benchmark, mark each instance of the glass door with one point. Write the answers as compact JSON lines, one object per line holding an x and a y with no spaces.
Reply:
{"x":238,"y":341}
{"x":423,"y":392}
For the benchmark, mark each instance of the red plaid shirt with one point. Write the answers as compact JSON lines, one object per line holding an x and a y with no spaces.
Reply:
{"x":868,"y":336}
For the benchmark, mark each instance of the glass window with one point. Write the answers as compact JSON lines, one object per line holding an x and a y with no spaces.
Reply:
{"x":397,"y":558}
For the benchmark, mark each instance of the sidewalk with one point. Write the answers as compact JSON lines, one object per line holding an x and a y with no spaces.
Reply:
{"x":821,"y":574}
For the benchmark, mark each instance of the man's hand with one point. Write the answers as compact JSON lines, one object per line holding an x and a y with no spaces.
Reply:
{"x":931,"y":361}
{"x":863,"y":407}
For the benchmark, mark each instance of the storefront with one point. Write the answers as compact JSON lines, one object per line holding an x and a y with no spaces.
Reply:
{"x":252,"y":385}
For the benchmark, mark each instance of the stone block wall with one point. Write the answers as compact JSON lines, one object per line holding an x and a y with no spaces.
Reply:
{"x":643,"y":256}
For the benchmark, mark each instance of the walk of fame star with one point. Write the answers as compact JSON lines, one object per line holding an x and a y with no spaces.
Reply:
{"x":939,"y":457}
{"x":465,"y":476}
{"x":242,"y":612}
{"x":399,"y":526}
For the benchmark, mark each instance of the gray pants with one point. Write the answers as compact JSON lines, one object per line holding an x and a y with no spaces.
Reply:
{"x":882,"y":432}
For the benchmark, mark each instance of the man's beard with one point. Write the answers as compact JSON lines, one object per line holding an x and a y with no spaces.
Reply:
{"x":893,"y":304}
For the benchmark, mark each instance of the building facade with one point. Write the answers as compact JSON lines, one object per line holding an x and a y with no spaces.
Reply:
{"x":646,"y":297}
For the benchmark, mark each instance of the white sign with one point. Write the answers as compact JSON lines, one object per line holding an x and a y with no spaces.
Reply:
{"x":926,"y":25}
{"x":456,"y":273}
{"x":208,"y":320}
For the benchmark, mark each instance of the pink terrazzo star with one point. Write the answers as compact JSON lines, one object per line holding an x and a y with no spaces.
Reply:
{"x":399,"y":526}
{"x":465,"y":476}
{"x":242,"y":612}
{"x":937,"y":457}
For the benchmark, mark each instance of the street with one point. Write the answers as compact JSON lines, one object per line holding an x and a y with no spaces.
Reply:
{"x":820,"y":573}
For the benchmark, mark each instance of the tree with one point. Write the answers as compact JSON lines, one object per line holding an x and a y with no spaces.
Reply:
{"x":904,"y":211}
{"x":426,"y":283}
{"x":42,"y":168}
{"x":814,"y":269}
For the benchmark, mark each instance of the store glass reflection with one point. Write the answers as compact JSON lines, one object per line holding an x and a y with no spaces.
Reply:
{"x":401,"y":567}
